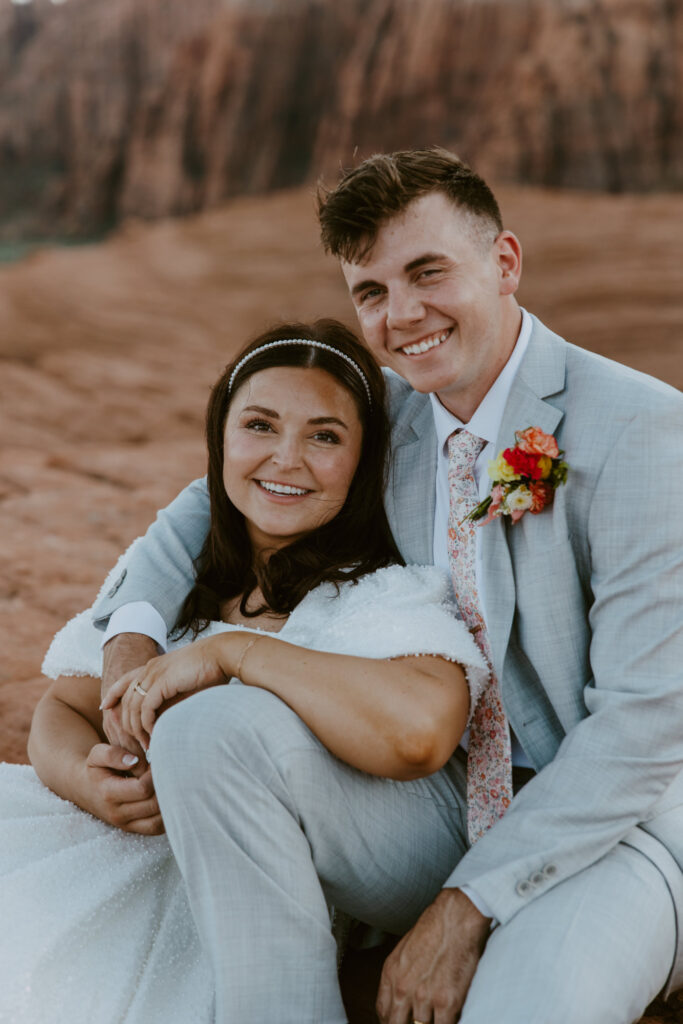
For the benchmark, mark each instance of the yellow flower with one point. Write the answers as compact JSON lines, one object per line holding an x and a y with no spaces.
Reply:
{"x":500,"y":469}
{"x":545,"y":464}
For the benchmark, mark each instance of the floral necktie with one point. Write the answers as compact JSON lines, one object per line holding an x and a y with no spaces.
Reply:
{"x":489,"y":766}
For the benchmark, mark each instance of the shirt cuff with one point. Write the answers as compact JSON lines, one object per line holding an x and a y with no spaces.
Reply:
{"x":481,"y":905}
{"x":137,"y":617}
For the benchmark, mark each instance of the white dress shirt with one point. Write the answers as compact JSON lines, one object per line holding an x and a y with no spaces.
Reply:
{"x":137,"y":617}
{"x":485,"y":423}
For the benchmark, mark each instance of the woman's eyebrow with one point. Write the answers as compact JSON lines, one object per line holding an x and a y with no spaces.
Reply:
{"x":315,"y":421}
{"x":327,"y":419}
{"x":262,"y":409}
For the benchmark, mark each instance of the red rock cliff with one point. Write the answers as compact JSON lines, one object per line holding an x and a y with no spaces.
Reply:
{"x":163,"y":107}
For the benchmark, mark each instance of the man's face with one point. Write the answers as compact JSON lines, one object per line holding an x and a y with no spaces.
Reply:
{"x":435,"y":300}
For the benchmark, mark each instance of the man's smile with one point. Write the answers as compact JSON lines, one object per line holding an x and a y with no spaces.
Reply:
{"x":417,"y":348}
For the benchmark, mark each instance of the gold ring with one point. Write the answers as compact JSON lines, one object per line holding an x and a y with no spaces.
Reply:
{"x":139,"y":689}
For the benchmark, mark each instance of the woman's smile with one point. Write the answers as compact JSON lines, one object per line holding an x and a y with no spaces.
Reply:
{"x":280,"y":490}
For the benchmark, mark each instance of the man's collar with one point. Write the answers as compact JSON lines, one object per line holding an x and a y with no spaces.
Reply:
{"x":485,"y":422}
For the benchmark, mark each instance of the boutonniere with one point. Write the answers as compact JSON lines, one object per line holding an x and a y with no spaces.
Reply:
{"x":525,"y":477}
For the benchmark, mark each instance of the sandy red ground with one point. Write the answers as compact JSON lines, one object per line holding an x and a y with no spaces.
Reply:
{"x":107,"y":353}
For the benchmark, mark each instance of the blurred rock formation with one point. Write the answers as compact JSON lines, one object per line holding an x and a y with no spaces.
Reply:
{"x":165,"y":107}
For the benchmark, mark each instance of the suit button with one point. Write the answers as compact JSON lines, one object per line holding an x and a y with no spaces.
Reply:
{"x":538,"y":878}
{"x":118,"y":583}
{"x":550,"y":870}
{"x":524,"y":887}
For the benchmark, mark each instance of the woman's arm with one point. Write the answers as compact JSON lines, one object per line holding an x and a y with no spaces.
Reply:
{"x":70,"y":754}
{"x":401,"y":718}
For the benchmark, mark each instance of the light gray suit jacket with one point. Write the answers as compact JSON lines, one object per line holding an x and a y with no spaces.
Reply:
{"x":585,"y":612}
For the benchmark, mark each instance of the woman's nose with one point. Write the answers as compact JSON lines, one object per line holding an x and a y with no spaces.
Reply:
{"x":287,"y":453}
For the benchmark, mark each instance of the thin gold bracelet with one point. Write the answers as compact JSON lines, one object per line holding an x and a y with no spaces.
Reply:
{"x":247,"y":647}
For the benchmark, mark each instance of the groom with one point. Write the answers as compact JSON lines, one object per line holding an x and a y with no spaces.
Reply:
{"x":569,"y":906}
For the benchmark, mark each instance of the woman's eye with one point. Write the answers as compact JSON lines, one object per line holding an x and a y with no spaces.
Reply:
{"x":259,"y":426}
{"x":328,"y":436}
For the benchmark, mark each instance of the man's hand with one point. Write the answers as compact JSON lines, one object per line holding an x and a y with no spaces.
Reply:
{"x":116,"y":797}
{"x":120,"y":654}
{"x":428,"y":974}
{"x":168,"y":678}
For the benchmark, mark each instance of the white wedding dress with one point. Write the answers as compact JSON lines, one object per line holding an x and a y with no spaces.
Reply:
{"x":95,"y":927}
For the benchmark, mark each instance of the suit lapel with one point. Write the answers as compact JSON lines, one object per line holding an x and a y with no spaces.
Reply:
{"x":541,"y":374}
{"x":411,"y":495}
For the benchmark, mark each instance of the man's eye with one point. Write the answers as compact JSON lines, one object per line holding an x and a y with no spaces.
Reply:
{"x":370,"y":295}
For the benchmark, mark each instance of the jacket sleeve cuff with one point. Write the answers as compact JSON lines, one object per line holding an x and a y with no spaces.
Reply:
{"x":481,"y":905}
{"x":137,"y":617}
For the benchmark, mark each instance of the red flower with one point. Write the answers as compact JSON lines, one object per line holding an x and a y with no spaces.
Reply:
{"x":523,"y":463}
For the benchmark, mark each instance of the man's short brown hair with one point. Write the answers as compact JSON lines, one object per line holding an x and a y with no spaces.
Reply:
{"x":383,"y":185}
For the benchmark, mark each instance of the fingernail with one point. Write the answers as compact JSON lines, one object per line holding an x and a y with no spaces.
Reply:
{"x":130,"y":759}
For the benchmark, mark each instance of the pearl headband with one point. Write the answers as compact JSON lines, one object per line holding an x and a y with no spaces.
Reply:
{"x":302,"y":341}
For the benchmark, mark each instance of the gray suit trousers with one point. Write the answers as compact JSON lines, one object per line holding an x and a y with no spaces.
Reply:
{"x":270,"y":830}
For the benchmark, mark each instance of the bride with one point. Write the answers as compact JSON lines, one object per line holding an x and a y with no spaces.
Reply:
{"x":299,"y":595}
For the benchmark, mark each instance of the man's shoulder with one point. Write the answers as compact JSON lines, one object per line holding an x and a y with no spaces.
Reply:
{"x":403,"y":402}
{"x":592,"y":377}
{"x":398,"y":387}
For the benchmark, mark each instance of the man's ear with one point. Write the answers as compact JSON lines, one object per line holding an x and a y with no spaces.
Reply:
{"x":509,"y":259}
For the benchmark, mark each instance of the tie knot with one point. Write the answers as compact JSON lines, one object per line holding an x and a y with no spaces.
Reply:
{"x":463,"y":448}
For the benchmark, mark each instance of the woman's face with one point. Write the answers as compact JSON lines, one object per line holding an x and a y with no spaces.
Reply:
{"x":293,"y":439}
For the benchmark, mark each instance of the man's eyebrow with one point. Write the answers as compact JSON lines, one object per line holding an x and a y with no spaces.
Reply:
{"x":363,"y":285}
{"x":428,"y":257}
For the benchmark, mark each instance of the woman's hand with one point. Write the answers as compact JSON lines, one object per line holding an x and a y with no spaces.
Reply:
{"x":167,"y":678}
{"x":116,"y":797}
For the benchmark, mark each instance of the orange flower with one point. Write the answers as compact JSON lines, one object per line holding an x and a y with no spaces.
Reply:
{"x":534,"y":441}
{"x":542,"y":494}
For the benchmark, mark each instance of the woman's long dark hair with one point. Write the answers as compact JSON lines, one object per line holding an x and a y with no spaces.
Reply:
{"x":355,"y":542}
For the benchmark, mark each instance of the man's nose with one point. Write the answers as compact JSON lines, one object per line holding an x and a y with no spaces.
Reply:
{"x":404,"y":307}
